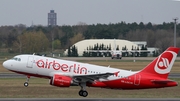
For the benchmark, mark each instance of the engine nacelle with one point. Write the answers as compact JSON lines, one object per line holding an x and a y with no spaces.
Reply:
{"x":61,"y":81}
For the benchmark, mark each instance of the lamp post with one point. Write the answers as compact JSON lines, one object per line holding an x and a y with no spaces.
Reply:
{"x":175,"y":19}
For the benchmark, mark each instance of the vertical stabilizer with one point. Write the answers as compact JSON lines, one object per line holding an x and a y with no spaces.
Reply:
{"x":162,"y":65}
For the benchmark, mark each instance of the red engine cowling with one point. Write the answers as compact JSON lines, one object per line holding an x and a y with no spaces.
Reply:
{"x":61,"y":81}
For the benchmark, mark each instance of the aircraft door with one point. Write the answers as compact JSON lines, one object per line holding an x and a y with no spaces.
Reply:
{"x":137,"y":79}
{"x":30,"y":62}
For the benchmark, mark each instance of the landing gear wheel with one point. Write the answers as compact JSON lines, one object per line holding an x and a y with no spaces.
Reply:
{"x":26,"y":84}
{"x":80,"y":92}
{"x":84,"y":93}
{"x":27,"y":80}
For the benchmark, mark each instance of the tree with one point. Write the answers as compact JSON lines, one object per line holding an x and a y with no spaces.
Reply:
{"x":68,"y":35}
{"x":124,"y":53}
{"x":141,"y":25}
{"x":149,"y":25}
{"x":30,"y":42}
{"x":57,"y":44}
{"x":76,"y":38}
{"x":69,"y":51}
{"x":18,"y":44}
{"x":117,"y":48}
{"x":165,"y":39}
{"x":72,"y":51}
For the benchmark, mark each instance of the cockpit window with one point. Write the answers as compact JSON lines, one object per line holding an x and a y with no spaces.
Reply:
{"x":19,"y":59}
{"x":16,"y":58}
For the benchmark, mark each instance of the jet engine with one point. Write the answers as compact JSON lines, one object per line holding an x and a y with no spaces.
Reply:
{"x":61,"y":81}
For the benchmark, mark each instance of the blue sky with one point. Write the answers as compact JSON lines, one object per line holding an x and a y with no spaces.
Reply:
{"x":71,"y":12}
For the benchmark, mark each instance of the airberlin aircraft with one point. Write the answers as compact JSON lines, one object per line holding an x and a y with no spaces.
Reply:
{"x":63,"y":73}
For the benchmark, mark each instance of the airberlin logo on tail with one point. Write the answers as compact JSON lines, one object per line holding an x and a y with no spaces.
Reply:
{"x":165,"y":62}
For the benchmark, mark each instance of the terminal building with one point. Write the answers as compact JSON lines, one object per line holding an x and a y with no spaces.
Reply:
{"x":114,"y":43}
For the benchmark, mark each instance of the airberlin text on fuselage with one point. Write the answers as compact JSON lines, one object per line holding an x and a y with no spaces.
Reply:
{"x":76,"y":68}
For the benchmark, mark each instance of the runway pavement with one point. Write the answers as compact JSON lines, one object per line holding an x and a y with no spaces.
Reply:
{"x":15,"y":75}
{"x":89,"y":99}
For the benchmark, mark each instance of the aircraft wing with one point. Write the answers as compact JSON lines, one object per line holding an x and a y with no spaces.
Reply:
{"x":92,"y":78}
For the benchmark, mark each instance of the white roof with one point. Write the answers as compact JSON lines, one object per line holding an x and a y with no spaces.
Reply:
{"x":82,"y":45}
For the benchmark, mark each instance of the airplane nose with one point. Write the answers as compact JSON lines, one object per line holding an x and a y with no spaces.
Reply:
{"x":5,"y":64}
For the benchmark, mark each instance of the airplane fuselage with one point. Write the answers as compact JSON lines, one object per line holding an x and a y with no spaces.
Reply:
{"x":46,"y":67}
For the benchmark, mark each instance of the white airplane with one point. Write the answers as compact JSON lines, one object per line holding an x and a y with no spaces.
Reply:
{"x":63,"y":73}
{"x":116,"y":54}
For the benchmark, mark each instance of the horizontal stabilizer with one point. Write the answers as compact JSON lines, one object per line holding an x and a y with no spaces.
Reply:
{"x":162,"y":81}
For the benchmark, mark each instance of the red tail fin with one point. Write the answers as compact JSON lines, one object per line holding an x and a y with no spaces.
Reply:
{"x":161,"y":66}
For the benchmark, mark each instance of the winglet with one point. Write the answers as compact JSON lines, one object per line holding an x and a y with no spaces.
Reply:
{"x":116,"y":73}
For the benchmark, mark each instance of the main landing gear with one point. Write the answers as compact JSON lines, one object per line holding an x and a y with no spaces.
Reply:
{"x":27,"y":80}
{"x":83,"y":91}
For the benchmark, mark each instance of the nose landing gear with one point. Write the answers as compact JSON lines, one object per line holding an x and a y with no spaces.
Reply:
{"x":27,"y":80}
{"x":26,"y":84}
